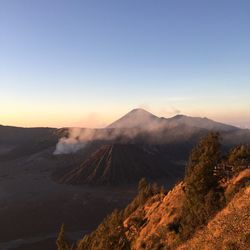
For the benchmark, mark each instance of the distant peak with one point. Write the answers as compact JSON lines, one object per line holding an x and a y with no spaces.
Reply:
{"x":179,"y":116}
{"x":140,"y":113}
{"x":135,"y":118}
{"x":139,"y":110}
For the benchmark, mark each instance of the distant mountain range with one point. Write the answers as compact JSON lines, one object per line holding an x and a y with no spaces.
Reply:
{"x":138,"y":126}
{"x":140,"y":118}
{"x":140,"y":144}
{"x":122,"y":152}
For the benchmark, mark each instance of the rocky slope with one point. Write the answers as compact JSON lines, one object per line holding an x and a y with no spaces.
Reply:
{"x":122,"y":163}
{"x":230,"y":226}
{"x":229,"y":229}
{"x":152,"y":225}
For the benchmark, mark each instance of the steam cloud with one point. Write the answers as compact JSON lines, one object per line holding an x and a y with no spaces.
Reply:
{"x":79,"y":138}
{"x":76,"y":140}
{"x":129,"y":127}
{"x":68,"y":145}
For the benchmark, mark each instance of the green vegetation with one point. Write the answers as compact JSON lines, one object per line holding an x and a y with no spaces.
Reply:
{"x":203,"y":197}
{"x":240,"y":155}
{"x":145,"y":191}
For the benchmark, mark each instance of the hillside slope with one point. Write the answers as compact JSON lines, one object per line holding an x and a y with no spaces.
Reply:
{"x":152,"y":224}
{"x":230,"y":227}
{"x":121,"y":163}
{"x":209,"y":209}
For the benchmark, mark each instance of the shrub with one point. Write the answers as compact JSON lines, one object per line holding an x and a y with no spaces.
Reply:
{"x":61,"y":241}
{"x":145,"y":191}
{"x":240,"y":156}
{"x":203,"y":197}
{"x":174,"y":226}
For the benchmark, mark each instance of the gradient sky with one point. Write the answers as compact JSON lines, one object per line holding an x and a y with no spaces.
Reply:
{"x":87,"y":62}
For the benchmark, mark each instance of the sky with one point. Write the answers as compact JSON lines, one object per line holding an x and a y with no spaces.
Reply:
{"x":85,"y":63}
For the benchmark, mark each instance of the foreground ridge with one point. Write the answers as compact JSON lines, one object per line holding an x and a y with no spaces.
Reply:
{"x":201,"y":212}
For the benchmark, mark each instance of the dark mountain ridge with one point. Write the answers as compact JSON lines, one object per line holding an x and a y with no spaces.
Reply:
{"x":138,"y":126}
{"x":121,"y":163}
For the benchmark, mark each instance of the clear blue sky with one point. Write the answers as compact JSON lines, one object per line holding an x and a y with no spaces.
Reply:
{"x":85,"y":63}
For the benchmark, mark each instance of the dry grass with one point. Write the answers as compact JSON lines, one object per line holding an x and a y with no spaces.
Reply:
{"x":230,"y":228}
{"x":159,"y":212}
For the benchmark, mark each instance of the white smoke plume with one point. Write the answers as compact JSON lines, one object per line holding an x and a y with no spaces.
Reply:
{"x":78,"y":138}
{"x":68,"y":145}
{"x":128,"y":127}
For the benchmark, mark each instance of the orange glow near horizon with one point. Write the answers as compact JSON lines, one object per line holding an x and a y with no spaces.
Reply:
{"x":67,"y":118}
